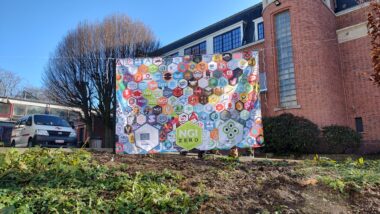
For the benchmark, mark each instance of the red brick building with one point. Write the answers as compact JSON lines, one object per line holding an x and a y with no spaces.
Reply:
{"x":315,"y":54}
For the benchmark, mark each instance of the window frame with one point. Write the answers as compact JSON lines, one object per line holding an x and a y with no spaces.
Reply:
{"x":287,"y":87}
{"x":262,"y":32}
{"x":199,"y":46}
{"x":20,"y":106}
{"x":359,"y":125}
{"x":9,"y":110}
{"x":176,"y":54}
{"x":231,"y":36}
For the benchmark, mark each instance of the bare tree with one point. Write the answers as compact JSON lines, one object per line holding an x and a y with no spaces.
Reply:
{"x":33,"y":93}
{"x":9,"y":83}
{"x":82,"y":71}
{"x":66,"y":80}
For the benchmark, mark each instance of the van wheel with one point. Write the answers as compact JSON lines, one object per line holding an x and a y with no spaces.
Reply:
{"x":30,"y":143}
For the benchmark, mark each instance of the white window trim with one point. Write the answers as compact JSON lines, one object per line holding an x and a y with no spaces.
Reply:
{"x":209,"y":40}
{"x":327,"y":3}
{"x":256,"y":34}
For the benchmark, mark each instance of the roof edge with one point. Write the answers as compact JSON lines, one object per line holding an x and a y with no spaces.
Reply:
{"x":216,"y":23}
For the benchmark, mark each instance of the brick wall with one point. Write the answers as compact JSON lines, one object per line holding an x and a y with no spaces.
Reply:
{"x":318,"y":74}
{"x":352,"y":18}
{"x":363,"y":97}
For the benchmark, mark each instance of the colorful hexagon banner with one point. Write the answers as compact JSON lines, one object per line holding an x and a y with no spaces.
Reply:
{"x":188,"y":103}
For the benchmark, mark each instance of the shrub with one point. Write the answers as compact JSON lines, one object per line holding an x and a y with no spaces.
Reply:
{"x":287,"y":133}
{"x":339,"y":139}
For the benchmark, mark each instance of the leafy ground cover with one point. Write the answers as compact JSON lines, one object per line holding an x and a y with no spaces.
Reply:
{"x":51,"y":181}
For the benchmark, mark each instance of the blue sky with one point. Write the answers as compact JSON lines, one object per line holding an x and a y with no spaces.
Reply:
{"x":30,"y":30}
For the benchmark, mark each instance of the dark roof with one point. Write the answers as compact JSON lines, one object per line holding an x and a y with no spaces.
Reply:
{"x":246,"y":15}
{"x":344,"y":4}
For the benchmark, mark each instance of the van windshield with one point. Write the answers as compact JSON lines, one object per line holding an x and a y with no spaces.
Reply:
{"x":50,"y":121}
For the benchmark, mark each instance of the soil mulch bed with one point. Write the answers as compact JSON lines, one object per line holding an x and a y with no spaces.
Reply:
{"x":251,"y":187}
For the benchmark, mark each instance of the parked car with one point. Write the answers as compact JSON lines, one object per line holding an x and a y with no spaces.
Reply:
{"x":43,"y":130}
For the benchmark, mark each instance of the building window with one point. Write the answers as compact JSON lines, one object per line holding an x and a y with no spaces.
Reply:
{"x":285,"y":65}
{"x":59,"y":112}
{"x":260,"y":31}
{"x":5,"y":109}
{"x":19,"y":110}
{"x":359,"y":124}
{"x":227,"y":41}
{"x":35,"y":110}
{"x":196,"y":49}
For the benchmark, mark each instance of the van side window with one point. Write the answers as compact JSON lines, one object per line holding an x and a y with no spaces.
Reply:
{"x":17,"y":124}
{"x":22,"y":122}
{"x":29,"y":121}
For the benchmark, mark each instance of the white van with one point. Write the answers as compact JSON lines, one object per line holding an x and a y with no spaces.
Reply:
{"x":43,"y":130}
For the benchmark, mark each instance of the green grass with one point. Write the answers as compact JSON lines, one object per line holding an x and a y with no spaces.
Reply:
{"x":52,"y":181}
{"x":343,"y":175}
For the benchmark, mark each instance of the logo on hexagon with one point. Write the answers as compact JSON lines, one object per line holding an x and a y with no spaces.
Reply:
{"x":212,"y":66}
{"x":167,"y":109}
{"x":198,"y":74}
{"x":193,"y":100}
{"x":157,"y":93}
{"x":172,"y":68}
{"x":152,"y":85}
{"x":178,"y":109}
{"x":157,"y":61}
{"x":213,"y":82}
{"x":182,"y":67}
{"x":162,"y":119}
{"x":188,"y":91}
{"x":167,"y":76}
{"x":157,"y":110}
{"x":182,"y":83}
{"x":147,"y":137}
{"x":172,"y":84}
{"x":172,"y":101}
{"x":177,"y":92}
{"x":239,"y":106}
{"x":222,"y":66}
{"x":203,"y":83}
{"x":213,"y":99}
{"x":162,"y":101}
{"x":167,"y":92}
{"x":183,"y":118}
{"x":193,"y":83}
{"x":189,"y":136}
{"x":141,"y":101}
{"x":177,"y":75}
{"x":230,"y":134}
{"x":141,"y":119}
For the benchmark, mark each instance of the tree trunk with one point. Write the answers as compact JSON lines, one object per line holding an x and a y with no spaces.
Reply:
{"x":109,"y":137}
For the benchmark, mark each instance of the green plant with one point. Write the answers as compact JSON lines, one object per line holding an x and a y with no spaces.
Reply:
{"x":340,"y":138}
{"x":231,"y":163}
{"x":335,"y":183}
{"x":287,"y":134}
{"x":52,"y":181}
{"x":342,"y":175}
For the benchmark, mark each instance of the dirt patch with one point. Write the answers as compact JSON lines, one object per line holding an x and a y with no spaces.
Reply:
{"x":251,"y":187}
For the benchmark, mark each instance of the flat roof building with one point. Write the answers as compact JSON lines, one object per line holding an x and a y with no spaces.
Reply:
{"x":314,"y":55}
